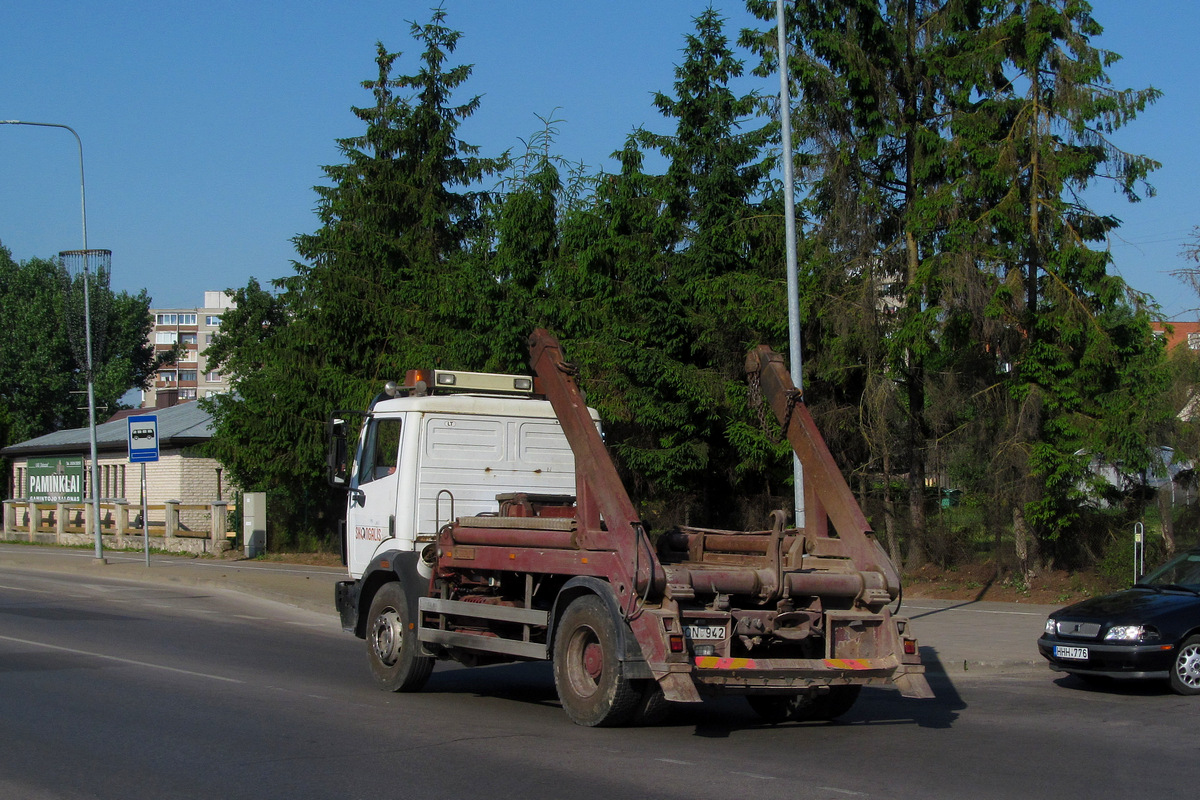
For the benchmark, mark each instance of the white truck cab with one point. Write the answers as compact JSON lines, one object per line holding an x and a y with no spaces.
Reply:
{"x":444,"y":445}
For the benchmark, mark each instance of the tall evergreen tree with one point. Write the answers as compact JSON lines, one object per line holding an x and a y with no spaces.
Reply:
{"x":385,"y":282}
{"x":1085,"y":356}
{"x":725,"y":255}
{"x":879,"y":82}
{"x":932,"y":173}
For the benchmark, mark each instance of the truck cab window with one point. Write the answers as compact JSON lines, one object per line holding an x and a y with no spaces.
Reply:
{"x":381,"y":451}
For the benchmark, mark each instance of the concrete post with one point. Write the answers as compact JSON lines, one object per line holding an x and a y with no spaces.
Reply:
{"x":121,"y":516}
{"x":60,"y":521}
{"x":89,"y":517}
{"x":35,"y":519}
{"x":10,"y":517}
{"x":172,"y":524}
{"x":219,"y":516}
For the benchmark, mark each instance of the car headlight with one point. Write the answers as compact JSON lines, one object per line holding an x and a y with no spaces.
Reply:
{"x":1051,"y":626}
{"x":1130,"y":633}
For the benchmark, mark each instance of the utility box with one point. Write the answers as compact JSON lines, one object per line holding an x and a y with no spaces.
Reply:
{"x":254,"y":523}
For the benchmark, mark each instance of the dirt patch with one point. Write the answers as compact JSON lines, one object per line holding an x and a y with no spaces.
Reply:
{"x":306,"y":559}
{"x":986,"y":582}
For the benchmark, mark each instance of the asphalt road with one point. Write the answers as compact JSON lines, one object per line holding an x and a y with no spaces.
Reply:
{"x":118,"y":689}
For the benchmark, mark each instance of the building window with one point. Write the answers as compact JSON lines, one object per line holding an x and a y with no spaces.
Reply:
{"x":212,"y":376}
{"x":187,"y":319}
{"x":1194,"y":341}
{"x":166,"y":337}
{"x":187,"y":394}
{"x":166,"y":319}
{"x":188,"y":338}
{"x":207,"y":339}
{"x":166,"y":376}
{"x":212,"y":320}
{"x":187,"y":375}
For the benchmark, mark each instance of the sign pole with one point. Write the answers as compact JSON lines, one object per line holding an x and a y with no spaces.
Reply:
{"x":142,"y":439}
{"x":145,"y":517}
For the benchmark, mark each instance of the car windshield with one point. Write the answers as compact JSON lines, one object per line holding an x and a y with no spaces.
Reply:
{"x":1181,"y":571}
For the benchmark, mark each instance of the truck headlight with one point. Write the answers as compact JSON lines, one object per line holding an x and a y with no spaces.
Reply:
{"x":1051,"y":626}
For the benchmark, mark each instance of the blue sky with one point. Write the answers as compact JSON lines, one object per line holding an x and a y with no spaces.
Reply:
{"x":205,"y":125}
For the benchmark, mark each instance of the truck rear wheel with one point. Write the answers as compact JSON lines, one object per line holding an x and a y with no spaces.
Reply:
{"x":588,"y":673}
{"x":392,"y":647}
{"x":777,"y":708}
{"x":831,"y":706}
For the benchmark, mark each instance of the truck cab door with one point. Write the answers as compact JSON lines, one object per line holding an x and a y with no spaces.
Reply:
{"x":371,"y":507}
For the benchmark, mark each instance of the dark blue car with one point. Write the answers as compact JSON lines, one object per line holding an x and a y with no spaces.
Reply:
{"x":1149,"y":631}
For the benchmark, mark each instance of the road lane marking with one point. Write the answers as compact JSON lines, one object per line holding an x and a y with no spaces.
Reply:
{"x":24,"y":589}
{"x":975,"y":610}
{"x":130,"y":661}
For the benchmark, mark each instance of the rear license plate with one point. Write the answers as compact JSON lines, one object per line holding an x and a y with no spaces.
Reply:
{"x":1071,"y":653}
{"x":694,"y":632}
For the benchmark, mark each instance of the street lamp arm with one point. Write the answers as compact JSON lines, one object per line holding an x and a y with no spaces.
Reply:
{"x":82,"y":189}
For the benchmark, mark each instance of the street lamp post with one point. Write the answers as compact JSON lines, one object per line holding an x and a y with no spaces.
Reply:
{"x":87,"y":328}
{"x":793,"y":277}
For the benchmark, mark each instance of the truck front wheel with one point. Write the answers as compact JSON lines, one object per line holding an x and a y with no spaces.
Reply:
{"x":392,"y":647}
{"x":588,"y":673}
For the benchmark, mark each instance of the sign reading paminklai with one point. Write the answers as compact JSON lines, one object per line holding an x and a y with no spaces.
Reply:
{"x":56,"y":480}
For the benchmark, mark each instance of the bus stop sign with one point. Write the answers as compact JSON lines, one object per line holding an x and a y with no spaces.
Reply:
{"x":143,"y":439}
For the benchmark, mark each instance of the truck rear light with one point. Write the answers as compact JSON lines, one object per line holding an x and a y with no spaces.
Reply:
{"x":910,"y":647}
{"x":676,"y":642}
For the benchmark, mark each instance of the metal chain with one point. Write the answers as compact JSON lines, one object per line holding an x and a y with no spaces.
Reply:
{"x":793,"y":397}
{"x":756,"y":402}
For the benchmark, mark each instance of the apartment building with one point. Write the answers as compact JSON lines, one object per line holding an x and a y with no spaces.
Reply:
{"x":1181,"y":333}
{"x":189,"y":378}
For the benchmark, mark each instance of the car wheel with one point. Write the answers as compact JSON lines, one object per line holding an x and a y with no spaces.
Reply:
{"x":1185,"y":670}
{"x":392,"y":647}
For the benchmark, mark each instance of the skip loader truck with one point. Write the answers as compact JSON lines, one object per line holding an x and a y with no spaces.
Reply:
{"x":486,"y":523}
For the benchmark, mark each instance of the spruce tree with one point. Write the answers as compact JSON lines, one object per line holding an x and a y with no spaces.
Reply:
{"x":384,"y":285}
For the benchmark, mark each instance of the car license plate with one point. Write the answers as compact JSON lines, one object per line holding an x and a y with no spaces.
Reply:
{"x":694,"y":632}
{"x":1071,"y":653}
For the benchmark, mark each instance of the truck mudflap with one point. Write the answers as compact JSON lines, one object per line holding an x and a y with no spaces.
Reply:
{"x":345,"y":598}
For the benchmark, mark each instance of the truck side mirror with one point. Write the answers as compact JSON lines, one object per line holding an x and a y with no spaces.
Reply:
{"x":337,"y":463}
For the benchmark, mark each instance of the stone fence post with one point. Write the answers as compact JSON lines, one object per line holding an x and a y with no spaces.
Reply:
{"x":172,"y":523}
{"x":220,"y":512}
{"x":10,"y":517}
{"x":121,"y":517}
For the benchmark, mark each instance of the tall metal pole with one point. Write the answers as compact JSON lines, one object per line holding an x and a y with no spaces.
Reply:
{"x":789,"y":216}
{"x":87,"y":329}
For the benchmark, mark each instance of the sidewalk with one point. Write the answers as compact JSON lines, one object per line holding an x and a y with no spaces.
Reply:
{"x":965,"y":638}
{"x":307,"y":587}
{"x":959,"y":639}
